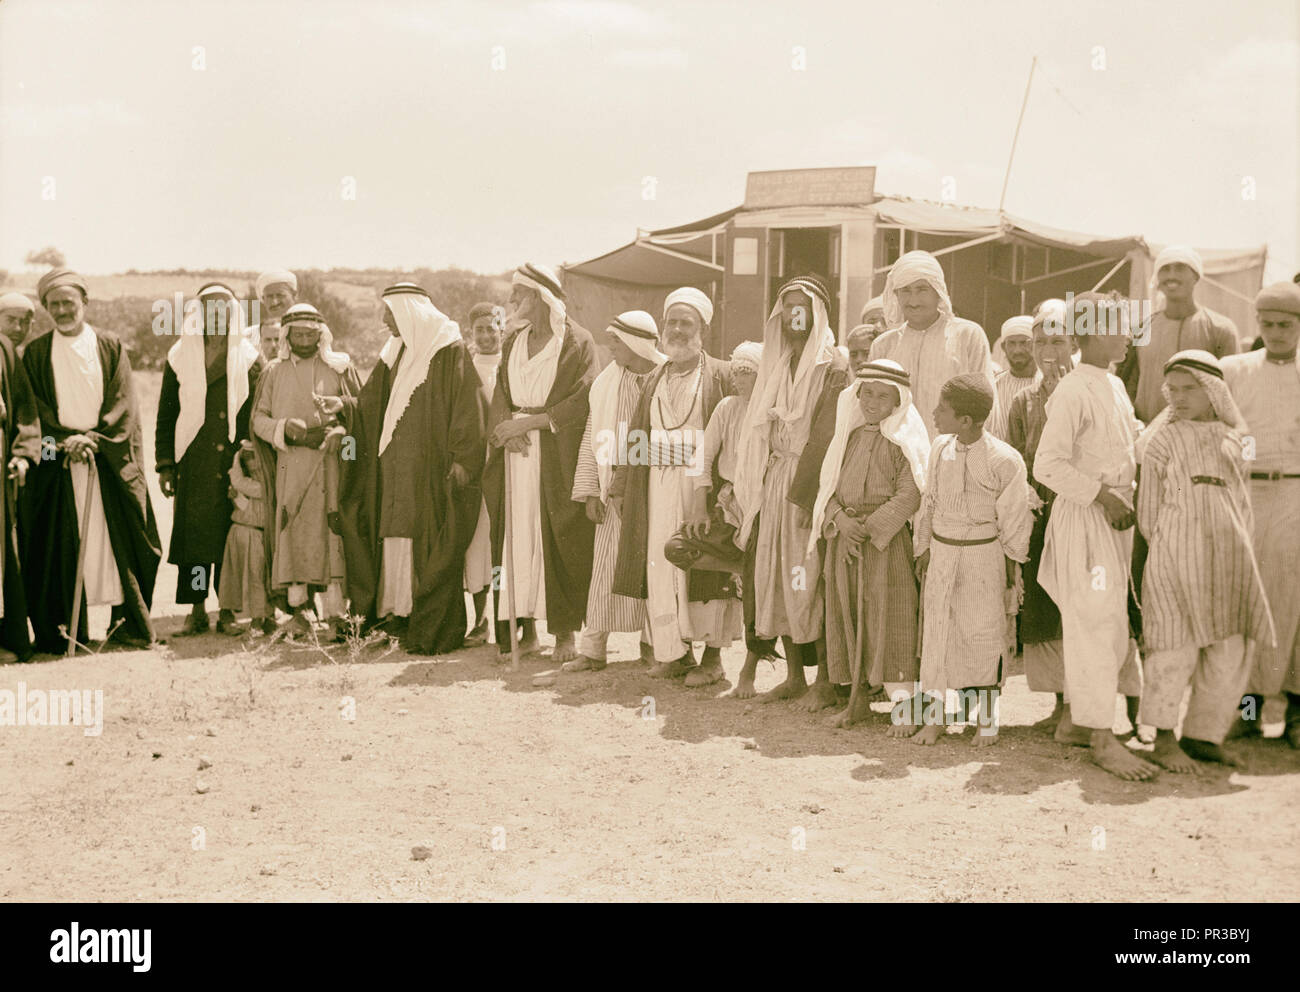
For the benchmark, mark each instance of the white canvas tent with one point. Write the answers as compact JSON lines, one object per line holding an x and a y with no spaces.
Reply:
{"x":997,"y":265}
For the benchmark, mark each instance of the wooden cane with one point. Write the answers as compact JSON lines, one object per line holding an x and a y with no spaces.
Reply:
{"x":858,"y":637}
{"x":510,"y":565}
{"x":81,"y":556}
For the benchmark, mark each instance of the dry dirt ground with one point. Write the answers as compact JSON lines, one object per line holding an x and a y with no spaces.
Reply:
{"x":608,"y":786}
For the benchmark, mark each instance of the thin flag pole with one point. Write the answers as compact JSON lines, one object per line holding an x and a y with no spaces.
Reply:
{"x":1016,"y":137}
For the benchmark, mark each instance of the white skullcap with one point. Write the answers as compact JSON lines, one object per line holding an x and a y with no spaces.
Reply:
{"x":692,"y":297}
{"x":1017,"y":327}
{"x":273,"y":276}
{"x":16,"y":301}
{"x":1179,"y":253}
{"x":876,"y":303}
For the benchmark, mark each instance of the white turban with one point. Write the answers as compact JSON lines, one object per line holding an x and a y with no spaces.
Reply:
{"x":637,"y":330}
{"x":874,"y":305}
{"x":1013,"y":327}
{"x":16,"y":301}
{"x":747,"y":356}
{"x":692,"y":297}
{"x":273,"y":276}
{"x":913,"y":266}
{"x":1178,"y":253}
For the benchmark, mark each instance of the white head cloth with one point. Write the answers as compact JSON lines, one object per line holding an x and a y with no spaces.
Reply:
{"x":1195,"y":362}
{"x":913,"y":266}
{"x":337,"y":360}
{"x":545,"y":282}
{"x":273,"y":276}
{"x":637,"y":330}
{"x":874,"y":305}
{"x":1013,"y":327}
{"x":425,"y":330}
{"x":904,"y":427}
{"x":188,"y":360}
{"x":778,"y":396}
{"x":692,"y":297}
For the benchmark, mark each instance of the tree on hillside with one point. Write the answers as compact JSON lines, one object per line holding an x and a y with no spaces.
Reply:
{"x":49,"y":255}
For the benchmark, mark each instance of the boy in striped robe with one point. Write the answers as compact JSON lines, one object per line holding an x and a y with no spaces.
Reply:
{"x":634,"y":344}
{"x":1202,"y":600}
{"x":972,"y":532}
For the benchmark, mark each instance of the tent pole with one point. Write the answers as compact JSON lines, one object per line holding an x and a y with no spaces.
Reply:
{"x":1016,"y":137}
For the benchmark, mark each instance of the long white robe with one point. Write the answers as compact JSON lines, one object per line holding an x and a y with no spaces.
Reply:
{"x":79,"y":387}
{"x":674,"y":619}
{"x":531,"y":380}
{"x":1087,"y":443}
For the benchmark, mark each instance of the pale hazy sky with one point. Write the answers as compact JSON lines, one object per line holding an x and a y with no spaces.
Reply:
{"x":242,"y":163}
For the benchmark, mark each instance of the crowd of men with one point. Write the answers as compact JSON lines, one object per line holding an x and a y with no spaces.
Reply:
{"x":900,"y":516}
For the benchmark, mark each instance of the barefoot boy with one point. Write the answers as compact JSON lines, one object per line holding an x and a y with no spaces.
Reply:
{"x":973,"y":529}
{"x":870,"y":487}
{"x":1085,"y":456}
{"x":1202,"y":601}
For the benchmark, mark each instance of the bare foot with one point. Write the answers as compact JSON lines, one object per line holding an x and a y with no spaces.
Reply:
{"x":928,"y":735}
{"x":820,"y":696}
{"x":1112,"y":756}
{"x":1206,"y":751}
{"x":744,"y":685}
{"x":984,"y":737}
{"x":1067,"y":733}
{"x":565,"y":649}
{"x":859,"y":712}
{"x":793,"y":687}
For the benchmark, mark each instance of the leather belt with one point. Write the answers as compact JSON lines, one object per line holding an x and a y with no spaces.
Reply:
{"x":1209,"y":480}
{"x":1274,"y":476}
{"x":530,"y":410}
{"x":964,"y":544}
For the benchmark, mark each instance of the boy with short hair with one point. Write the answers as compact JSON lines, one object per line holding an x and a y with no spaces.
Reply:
{"x":973,"y":530}
{"x":1086,"y":457}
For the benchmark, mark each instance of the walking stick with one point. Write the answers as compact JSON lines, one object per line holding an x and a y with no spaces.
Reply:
{"x":81,"y":556}
{"x":510,"y":566}
{"x":858,"y":638}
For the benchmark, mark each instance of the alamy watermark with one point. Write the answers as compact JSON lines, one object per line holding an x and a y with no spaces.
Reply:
{"x":53,"y":708}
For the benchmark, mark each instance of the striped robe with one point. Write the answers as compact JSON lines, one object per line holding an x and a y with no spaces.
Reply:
{"x":972,"y":491}
{"x":1198,"y":586}
{"x":876,"y":480}
{"x":1006,"y":386}
{"x":607,"y":612}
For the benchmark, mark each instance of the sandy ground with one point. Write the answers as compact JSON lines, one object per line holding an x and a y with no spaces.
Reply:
{"x":608,"y":786}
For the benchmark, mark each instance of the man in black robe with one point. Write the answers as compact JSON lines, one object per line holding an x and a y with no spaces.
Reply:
{"x":410,"y":494}
{"x":539,"y":411}
{"x":122,"y":537}
{"x":203,"y":409}
{"x":20,"y":449}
